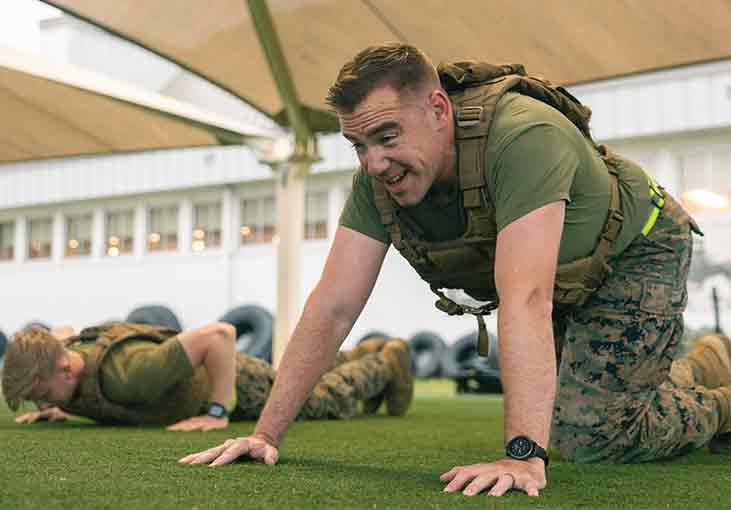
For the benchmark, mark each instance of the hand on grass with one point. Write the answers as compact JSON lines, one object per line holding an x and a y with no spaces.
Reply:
{"x":527,"y":476}
{"x":203,"y":423}
{"x":256,"y":448}
{"x":47,"y":414}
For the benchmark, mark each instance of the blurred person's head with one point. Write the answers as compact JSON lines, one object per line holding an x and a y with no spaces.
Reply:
{"x":38,"y":368}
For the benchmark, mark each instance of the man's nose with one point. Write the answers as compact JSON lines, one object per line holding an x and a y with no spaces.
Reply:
{"x":376,"y":161}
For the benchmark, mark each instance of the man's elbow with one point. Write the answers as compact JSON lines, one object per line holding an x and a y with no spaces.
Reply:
{"x":225,"y":331}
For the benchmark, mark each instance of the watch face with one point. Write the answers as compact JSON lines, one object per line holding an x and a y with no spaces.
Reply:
{"x":520,"y":448}
{"x":216,"y":410}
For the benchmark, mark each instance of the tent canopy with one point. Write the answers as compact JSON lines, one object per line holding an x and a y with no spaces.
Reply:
{"x":52,"y":110}
{"x":568,"y":41}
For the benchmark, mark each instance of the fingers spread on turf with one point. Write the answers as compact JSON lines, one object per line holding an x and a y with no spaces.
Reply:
{"x":232,"y":452}
{"x":203,"y":457}
{"x":446,"y":477}
{"x":504,"y":483}
{"x":480,"y":483}
{"x":463,"y":476}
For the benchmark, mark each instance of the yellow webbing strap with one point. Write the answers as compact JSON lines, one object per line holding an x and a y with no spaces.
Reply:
{"x":658,"y":202}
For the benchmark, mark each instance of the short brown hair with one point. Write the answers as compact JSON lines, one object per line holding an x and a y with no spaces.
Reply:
{"x":33,"y":354}
{"x":401,"y":66}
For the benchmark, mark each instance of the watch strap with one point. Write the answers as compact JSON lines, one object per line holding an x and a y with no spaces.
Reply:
{"x":535,"y":449}
{"x":216,"y":410}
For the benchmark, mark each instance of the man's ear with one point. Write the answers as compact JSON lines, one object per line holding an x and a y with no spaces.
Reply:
{"x":64,"y":365}
{"x":440,"y":105}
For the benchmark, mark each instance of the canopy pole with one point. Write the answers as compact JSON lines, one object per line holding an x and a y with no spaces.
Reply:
{"x":290,"y":193}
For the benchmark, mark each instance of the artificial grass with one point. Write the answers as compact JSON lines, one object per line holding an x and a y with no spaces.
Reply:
{"x":369,"y":463}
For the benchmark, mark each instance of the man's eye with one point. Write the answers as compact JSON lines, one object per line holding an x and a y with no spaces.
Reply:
{"x":389,"y":139}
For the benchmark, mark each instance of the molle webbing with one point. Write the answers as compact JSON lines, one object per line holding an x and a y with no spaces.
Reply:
{"x":475,"y":90}
{"x":181,"y":401}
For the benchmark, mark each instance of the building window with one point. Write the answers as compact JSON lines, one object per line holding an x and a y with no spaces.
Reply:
{"x":316,"y":215}
{"x":163,"y":232}
{"x":707,"y":182}
{"x":78,"y":235}
{"x":120,"y":232}
{"x":40,"y":236}
{"x":206,"y":226}
{"x":7,"y":240}
{"x":257,"y":220}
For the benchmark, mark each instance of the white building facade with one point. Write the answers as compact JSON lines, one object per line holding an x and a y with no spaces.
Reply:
{"x":84,"y":240}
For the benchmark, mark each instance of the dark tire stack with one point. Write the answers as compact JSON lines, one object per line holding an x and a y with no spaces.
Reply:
{"x":473,"y":373}
{"x":3,"y":344}
{"x":155,"y":315}
{"x":254,"y":330}
{"x":427,"y":350}
{"x":36,"y":324}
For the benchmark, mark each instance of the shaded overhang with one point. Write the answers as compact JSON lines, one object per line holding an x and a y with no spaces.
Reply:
{"x":568,"y":41}
{"x":49,"y":110}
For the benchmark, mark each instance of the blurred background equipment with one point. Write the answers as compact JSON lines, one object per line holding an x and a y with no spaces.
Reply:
{"x":254,"y":330}
{"x":376,"y":333}
{"x":427,"y":349}
{"x":156,"y":315}
{"x":471,"y":372}
{"x":37,"y":324}
{"x":3,"y":343}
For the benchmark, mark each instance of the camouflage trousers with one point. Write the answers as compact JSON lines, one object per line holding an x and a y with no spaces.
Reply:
{"x":617,"y":400}
{"x":335,"y":396}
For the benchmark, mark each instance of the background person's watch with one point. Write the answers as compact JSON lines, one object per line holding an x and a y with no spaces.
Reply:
{"x":524,"y":448}
{"x":217,"y":410}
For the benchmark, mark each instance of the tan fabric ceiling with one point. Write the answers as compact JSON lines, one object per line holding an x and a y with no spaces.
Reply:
{"x":48,"y":110}
{"x":568,"y":41}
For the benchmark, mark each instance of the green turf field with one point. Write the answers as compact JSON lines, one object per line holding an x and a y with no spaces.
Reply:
{"x":371,"y":463}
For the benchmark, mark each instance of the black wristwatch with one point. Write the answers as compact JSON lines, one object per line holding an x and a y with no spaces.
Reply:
{"x":524,"y":448}
{"x":217,"y":410}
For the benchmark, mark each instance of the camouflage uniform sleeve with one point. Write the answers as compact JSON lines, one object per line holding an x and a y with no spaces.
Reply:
{"x":140,"y":372}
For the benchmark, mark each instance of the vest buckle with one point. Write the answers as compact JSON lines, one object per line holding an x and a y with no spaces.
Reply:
{"x":469,"y":116}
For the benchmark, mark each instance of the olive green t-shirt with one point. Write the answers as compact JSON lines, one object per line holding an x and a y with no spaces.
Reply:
{"x":139,"y":372}
{"x":535,"y":156}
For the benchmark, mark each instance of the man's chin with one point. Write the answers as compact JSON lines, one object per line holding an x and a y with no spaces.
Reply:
{"x":406,"y":200}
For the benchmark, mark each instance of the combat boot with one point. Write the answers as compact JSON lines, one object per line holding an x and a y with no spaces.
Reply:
{"x":400,"y":390}
{"x":710,"y":361}
{"x":721,"y":442}
{"x":371,"y":345}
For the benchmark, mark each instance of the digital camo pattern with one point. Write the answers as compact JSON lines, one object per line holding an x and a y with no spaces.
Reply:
{"x":616,"y":401}
{"x":336,"y":395}
{"x":338,"y":392}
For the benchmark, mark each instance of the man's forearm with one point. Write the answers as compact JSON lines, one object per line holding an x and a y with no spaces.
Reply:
{"x":214,"y":347}
{"x":220,"y":363}
{"x":528,"y":369}
{"x":309,"y":354}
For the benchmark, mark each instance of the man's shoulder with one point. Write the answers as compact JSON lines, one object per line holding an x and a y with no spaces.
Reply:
{"x":515,"y":109}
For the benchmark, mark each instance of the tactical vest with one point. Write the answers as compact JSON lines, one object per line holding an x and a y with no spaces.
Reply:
{"x":181,"y":401}
{"x":468,"y":262}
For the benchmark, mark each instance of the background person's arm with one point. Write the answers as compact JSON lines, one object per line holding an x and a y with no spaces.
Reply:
{"x":214,"y":347}
{"x":347,"y":280}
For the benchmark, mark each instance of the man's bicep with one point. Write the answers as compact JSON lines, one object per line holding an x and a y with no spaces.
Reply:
{"x":535,"y":169}
{"x":351,"y":270}
{"x":527,"y":253}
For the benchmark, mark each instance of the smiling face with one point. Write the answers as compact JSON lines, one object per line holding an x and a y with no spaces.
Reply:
{"x":404,"y":140}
